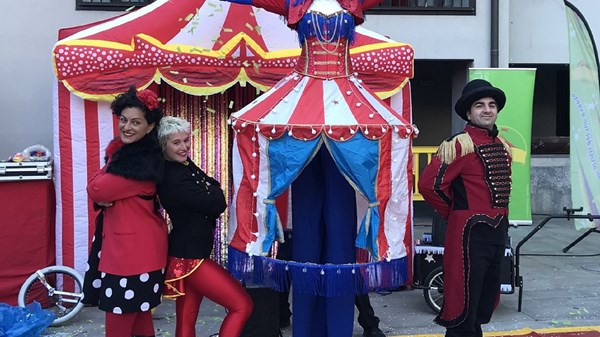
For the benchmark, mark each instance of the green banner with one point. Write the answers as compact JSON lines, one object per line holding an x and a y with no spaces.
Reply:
{"x":514,"y":123}
{"x":585,"y":119}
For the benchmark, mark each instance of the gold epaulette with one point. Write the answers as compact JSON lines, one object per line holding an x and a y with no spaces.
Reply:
{"x":507,"y":146}
{"x":447,"y":150}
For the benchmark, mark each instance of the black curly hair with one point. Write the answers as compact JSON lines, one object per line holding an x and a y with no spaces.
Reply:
{"x":129,"y":99}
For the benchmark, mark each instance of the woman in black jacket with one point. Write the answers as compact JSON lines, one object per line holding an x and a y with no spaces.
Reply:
{"x":194,"y":201}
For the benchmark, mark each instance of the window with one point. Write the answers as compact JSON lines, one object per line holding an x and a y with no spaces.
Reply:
{"x":109,"y":5}
{"x":426,"y":7}
{"x":551,"y":108}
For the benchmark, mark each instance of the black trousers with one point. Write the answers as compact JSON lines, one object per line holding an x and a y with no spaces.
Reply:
{"x":366,"y":314}
{"x":484,"y":288}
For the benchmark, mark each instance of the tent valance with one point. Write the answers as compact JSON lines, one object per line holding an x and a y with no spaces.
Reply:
{"x":303,"y":108}
{"x":310,"y":132}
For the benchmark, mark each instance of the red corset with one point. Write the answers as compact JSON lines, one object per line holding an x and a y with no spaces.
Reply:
{"x":324,"y":60}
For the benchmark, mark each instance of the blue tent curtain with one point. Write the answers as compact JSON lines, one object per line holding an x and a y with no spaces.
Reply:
{"x":358,"y":160}
{"x":287,"y":157}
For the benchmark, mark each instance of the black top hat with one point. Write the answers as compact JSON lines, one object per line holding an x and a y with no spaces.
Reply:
{"x":475,"y":90}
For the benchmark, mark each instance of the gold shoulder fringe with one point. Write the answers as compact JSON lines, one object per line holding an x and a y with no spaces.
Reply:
{"x":507,"y":146}
{"x":447,"y":150}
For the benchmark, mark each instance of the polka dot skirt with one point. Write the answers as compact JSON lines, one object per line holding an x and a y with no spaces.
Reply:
{"x":124,"y":294}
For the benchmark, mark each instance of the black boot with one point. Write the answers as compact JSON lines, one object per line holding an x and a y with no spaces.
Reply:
{"x":373,"y":332}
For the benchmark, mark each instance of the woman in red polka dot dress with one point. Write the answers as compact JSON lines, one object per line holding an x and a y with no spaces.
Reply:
{"x":129,"y":252}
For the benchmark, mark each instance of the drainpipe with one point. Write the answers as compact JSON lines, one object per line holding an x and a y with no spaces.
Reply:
{"x":494,"y":52}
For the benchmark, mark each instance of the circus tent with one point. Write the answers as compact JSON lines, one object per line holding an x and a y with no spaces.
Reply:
{"x":200,"y":48}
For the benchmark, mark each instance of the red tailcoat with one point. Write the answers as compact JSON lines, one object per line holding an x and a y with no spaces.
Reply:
{"x":467,"y":182}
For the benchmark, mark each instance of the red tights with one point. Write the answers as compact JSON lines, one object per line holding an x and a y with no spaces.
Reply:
{"x":212,"y":281}
{"x":131,"y":324}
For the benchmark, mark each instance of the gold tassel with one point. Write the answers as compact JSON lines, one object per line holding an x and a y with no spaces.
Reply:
{"x":507,"y":146}
{"x":447,"y":150}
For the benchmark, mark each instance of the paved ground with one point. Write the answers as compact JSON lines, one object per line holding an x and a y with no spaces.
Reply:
{"x":560,"y":289}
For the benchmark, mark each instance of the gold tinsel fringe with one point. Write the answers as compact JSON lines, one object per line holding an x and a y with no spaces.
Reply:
{"x":447,"y":150}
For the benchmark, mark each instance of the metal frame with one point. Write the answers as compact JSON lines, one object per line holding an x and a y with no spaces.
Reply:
{"x":30,"y":170}
{"x":422,"y":7}
{"x":109,"y":5}
{"x":569,"y":215}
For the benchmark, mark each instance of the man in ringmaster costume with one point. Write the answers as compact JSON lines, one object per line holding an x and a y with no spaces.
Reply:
{"x":468,"y":183}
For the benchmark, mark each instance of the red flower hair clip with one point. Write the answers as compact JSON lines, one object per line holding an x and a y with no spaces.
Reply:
{"x":149,"y":98}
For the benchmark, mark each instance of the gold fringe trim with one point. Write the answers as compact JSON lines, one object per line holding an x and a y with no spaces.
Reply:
{"x":174,"y":289}
{"x":447,"y":150}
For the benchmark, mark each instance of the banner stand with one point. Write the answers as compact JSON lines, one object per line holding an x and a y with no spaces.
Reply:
{"x":514,"y":124}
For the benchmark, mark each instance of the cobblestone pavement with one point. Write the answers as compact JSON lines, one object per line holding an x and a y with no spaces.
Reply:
{"x":559,"y":289}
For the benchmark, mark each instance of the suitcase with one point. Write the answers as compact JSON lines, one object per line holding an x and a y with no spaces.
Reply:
{"x":25,"y":170}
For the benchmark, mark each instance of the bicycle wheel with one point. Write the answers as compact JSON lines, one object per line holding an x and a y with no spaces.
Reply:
{"x":57,"y":288}
{"x":434,"y":291}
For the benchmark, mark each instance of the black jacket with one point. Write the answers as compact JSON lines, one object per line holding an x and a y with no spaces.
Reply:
{"x":193,"y":201}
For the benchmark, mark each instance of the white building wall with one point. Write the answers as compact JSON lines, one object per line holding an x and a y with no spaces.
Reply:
{"x":538,"y":32}
{"x":591,"y":10}
{"x":504,"y":33}
{"x":531,"y":31}
{"x":435,"y":37}
{"x":28,"y":31}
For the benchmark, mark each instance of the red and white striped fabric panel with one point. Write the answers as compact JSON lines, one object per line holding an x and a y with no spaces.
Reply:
{"x":82,"y":131}
{"x":343,"y":101}
{"x":402,"y":102}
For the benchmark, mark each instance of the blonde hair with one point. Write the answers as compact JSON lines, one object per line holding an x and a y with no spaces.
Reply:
{"x":169,"y":126}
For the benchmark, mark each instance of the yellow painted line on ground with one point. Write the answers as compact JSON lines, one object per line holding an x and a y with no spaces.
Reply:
{"x":523,"y":331}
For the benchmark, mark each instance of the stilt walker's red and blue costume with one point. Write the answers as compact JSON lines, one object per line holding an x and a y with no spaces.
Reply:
{"x":323,"y":203}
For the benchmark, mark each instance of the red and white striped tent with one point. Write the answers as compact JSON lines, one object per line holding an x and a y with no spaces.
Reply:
{"x":198,"y":47}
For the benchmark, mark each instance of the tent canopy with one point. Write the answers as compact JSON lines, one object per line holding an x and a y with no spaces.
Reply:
{"x":203,"y":47}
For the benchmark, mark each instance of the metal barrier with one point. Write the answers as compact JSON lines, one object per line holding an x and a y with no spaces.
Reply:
{"x":569,"y":214}
{"x":419,"y":153}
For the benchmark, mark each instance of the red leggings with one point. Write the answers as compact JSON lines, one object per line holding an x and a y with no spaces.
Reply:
{"x":214,"y":282}
{"x":131,"y":324}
